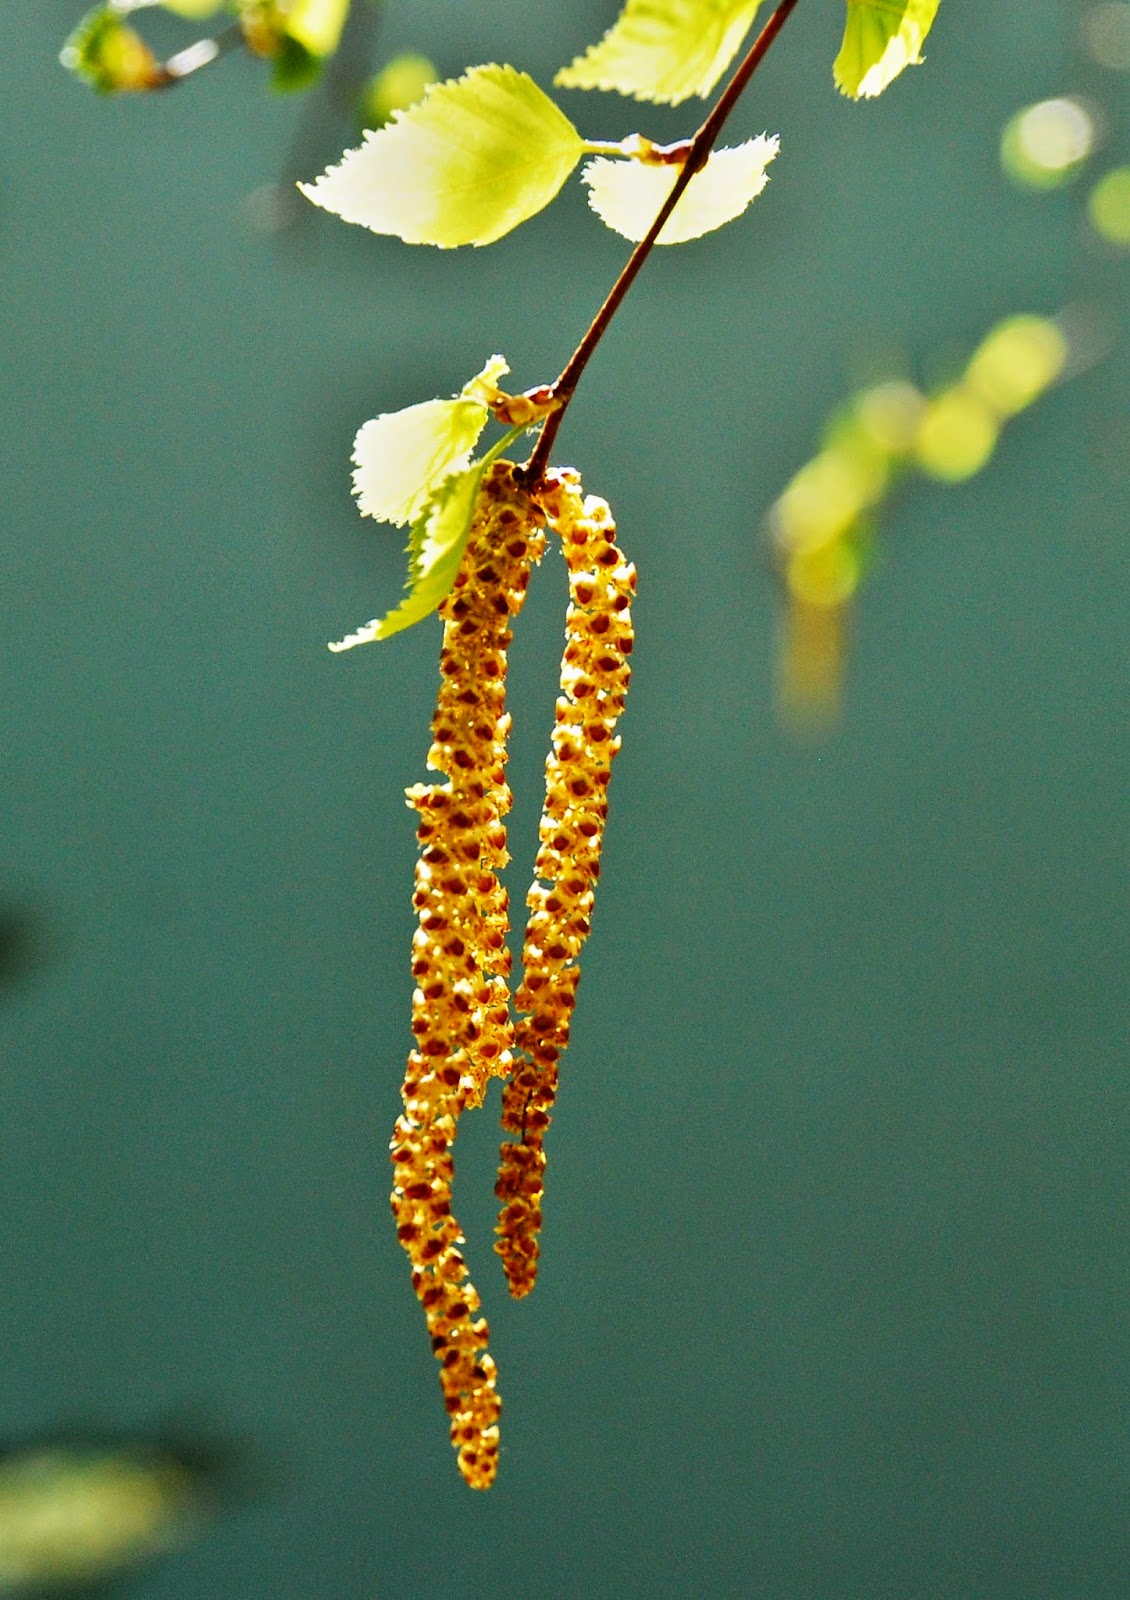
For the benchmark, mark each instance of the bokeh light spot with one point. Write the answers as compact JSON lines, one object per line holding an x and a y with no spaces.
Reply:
{"x":399,"y":84}
{"x":1044,"y":145}
{"x":1108,"y":207}
{"x":1106,"y":34}
{"x":1016,"y":363}
{"x":957,"y":436}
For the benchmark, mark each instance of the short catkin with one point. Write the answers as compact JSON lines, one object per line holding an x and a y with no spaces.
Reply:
{"x":460,"y":958}
{"x":594,"y":681}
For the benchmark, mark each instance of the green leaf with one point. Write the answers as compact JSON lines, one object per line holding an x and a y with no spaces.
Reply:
{"x":293,"y":67}
{"x":193,"y":9}
{"x":403,"y":457}
{"x":435,"y":549}
{"x":627,"y":195}
{"x":109,"y":55}
{"x":476,"y":157}
{"x":316,"y":24}
{"x":664,"y":49}
{"x":880,"y":39}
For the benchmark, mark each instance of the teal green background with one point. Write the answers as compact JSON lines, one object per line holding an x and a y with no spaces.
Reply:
{"x":834,"y":1291}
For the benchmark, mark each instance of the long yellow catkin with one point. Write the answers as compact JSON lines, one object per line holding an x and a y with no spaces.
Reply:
{"x":594,"y":680}
{"x":461,"y":1005}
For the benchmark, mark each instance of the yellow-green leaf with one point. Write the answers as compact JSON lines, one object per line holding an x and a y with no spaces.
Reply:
{"x":193,"y":9}
{"x":316,"y":24}
{"x":402,"y":457}
{"x":627,"y":195}
{"x":435,"y":549}
{"x":476,"y":157}
{"x":880,"y":39}
{"x":664,"y":49}
{"x":111,"y":56}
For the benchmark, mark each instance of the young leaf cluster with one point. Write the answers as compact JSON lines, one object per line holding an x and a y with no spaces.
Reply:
{"x":482,"y":153}
{"x":296,"y":36}
{"x":414,"y":466}
{"x":485,"y":152}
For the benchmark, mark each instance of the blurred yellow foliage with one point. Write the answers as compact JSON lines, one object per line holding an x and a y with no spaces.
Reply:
{"x":820,"y":523}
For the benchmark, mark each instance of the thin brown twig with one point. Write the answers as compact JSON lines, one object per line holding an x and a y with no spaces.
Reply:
{"x":193,"y":57}
{"x":700,"y":147}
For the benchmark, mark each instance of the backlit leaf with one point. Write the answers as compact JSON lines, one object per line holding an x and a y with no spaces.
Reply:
{"x":435,"y":549}
{"x":628,"y":194}
{"x":881,"y":38}
{"x":316,"y":24}
{"x":476,"y":157}
{"x":402,"y":457}
{"x":664,"y":49}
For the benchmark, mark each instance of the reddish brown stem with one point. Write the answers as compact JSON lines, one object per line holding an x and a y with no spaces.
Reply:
{"x":700,"y":148}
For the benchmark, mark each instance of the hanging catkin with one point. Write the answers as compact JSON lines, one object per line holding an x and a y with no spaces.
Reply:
{"x":594,"y":680}
{"x":461,"y":1005}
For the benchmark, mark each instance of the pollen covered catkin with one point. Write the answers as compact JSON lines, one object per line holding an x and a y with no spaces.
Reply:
{"x":460,"y":958}
{"x":594,"y":681}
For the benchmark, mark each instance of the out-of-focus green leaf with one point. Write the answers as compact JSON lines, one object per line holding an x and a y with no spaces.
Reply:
{"x":401,"y":82}
{"x":297,"y":35}
{"x":317,"y":24}
{"x":664,"y":50}
{"x":108,"y":54}
{"x":74,"y":1515}
{"x":294,"y":67}
{"x":193,"y":9}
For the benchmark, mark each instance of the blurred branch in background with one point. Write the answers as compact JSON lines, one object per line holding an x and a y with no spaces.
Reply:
{"x":822,"y":528}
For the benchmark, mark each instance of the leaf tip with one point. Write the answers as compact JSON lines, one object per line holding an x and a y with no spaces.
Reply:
{"x":363,"y":635}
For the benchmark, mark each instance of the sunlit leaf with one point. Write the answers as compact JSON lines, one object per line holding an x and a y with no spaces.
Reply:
{"x":627,"y":194}
{"x":476,"y":157}
{"x":880,"y":39}
{"x":664,"y":49}
{"x":435,"y":549}
{"x":316,"y":24}
{"x":402,"y":457}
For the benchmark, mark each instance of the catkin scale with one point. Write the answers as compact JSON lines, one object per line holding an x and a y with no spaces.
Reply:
{"x":460,"y":959}
{"x":594,"y":680}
